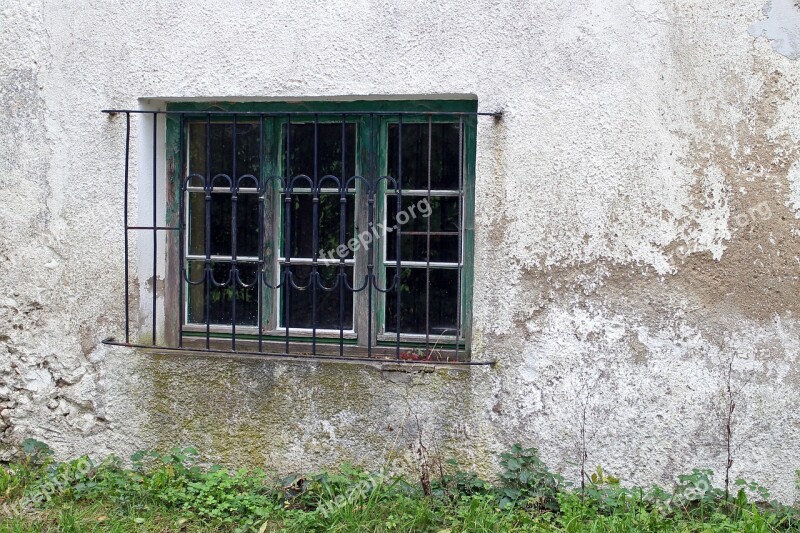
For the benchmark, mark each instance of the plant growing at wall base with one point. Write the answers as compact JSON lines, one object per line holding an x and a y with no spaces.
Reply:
{"x":526,"y":478}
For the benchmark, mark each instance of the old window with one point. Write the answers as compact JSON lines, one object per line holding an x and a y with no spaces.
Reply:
{"x":319,"y":228}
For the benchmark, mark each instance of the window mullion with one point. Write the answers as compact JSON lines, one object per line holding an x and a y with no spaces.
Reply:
{"x":271,"y":238}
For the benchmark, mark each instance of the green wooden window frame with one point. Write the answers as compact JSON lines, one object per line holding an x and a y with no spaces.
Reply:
{"x":370,"y":130}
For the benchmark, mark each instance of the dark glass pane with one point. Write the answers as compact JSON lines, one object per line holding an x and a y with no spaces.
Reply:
{"x":247,"y":225}
{"x":444,"y":163}
{"x":220,"y":305}
{"x":329,"y":151}
{"x":327,"y":302}
{"x":444,"y":249}
{"x":416,"y":213}
{"x":221,"y":150}
{"x":302,"y":217}
{"x":443,"y":291}
{"x":442,"y":211}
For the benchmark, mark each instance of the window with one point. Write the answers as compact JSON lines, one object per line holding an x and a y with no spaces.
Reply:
{"x":318,"y":228}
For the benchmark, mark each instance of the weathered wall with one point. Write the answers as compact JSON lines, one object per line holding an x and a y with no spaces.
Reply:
{"x":637,"y":231}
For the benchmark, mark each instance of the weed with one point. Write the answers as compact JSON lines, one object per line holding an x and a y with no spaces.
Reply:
{"x":171,"y":492}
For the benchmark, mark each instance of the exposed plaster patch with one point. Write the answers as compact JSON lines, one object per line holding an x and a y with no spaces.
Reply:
{"x":794,"y":187}
{"x":782,"y":27}
{"x":707,"y":228}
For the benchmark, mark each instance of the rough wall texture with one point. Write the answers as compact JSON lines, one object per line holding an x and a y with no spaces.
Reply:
{"x":638,"y":219}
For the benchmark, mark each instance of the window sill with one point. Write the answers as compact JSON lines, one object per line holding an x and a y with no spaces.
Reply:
{"x":354,"y":354}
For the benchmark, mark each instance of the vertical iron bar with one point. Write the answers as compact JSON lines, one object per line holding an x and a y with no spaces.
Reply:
{"x":155,"y":223}
{"x":398,"y":242}
{"x":262,"y":191}
{"x":314,"y":240}
{"x":342,"y":235}
{"x":460,"y":231}
{"x":370,"y":224}
{"x":181,"y":214}
{"x":287,"y":284}
{"x":428,"y":247}
{"x":125,"y":215}
{"x":207,"y":237}
{"x":234,"y":270}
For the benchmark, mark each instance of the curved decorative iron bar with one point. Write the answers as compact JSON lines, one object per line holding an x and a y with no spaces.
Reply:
{"x":238,"y":279}
{"x":243,"y":177}
{"x":354,"y":179}
{"x":264,"y":182}
{"x":329,"y":177}
{"x":262,"y":273}
{"x":300,"y":287}
{"x":388,"y":179}
{"x":185,"y":182}
{"x":322,"y":285}
{"x":214,"y":281}
{"x":189,"y":281}
{"x":227,"y":178}
{"x":364,"y":286}
{"x":292,"y":181}
{"x":395,"y":281}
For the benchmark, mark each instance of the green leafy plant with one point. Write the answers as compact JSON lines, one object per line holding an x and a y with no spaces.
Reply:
{"x":456,"y":482}
{"x":525,"y":478}
{"x":36,"y":452}
{"x":172,"y":491}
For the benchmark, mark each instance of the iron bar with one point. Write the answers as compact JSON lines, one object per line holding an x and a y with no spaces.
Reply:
{"x":460,"y":224}
{"x":370,"y":224}
{"x":315,"y":238}
{"x":496,"y":114}
{"x":234,"y":271}
{"x":155,"y":223}
{"x":342,"y":233}
{"x":428,"y":248}
{"x":287,"y":280}
{"x":318,"y":357}
{"x":261,"y":244}
{"x":399,"y":242}
{"x":208,"y":185}
{"x":182,"y":171}
{"x":125,"y":216}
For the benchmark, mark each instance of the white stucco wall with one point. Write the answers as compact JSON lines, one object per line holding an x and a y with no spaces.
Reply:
{"x":637,"y":228}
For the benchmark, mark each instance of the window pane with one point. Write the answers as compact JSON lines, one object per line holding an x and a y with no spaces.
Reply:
{"x":221,"y":298}
{"x":329,"y":151}
{"x":416,"y":210}
{"x":441,"y":211}
{"x":302,"y":217}
{"x":221,"y":150}
{"x":247,"y":226}
{"x":327,"y":302}
{"x":443,"y":291}
{"x":443,"y":249}
{"x":444,"y":163}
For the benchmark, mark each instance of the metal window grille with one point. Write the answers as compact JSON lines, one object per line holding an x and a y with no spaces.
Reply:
{"x":307,"y":234}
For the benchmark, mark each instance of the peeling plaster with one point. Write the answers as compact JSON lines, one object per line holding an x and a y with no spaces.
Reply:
{"x":781,"y":26}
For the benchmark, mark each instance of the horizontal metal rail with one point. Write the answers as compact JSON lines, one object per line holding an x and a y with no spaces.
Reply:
{"x":298,"y":356}
{"x":496,"y":114}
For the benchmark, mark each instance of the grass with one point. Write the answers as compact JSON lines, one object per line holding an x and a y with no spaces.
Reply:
{"x":161,"y":492}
